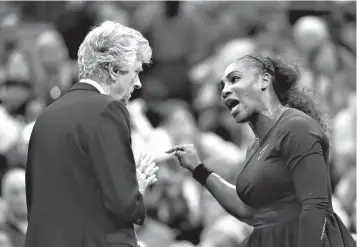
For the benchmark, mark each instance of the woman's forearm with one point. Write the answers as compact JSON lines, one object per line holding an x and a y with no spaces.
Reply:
{"x":225,"y":193}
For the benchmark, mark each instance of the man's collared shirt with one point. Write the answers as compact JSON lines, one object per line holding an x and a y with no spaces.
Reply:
{"x":94,"y":84}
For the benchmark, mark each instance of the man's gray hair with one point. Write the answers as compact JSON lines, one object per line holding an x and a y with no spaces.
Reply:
{"x":111,"y":43}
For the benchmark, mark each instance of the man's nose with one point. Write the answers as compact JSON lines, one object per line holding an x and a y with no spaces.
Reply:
{"x":137,"y":84}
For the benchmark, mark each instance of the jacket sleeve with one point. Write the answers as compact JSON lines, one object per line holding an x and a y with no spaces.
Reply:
{"x":113,"y":161}
{"x":301,"y":148}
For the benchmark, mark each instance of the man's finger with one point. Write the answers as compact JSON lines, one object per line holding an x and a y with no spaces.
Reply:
{"x":151,"y":160}
{"x":147,"y":162}
{"x":140,"y":161}
{"x":154,"y":181}
{"x":144,"y":163}
{"x":153,"y":171}
{"x":151,"y":180}
{"x":139,"y":158}
{"x":141,"y":177}
{"x":149,"y":168}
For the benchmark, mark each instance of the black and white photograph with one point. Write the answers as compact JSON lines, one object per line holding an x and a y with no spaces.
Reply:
{"x":178,"y":123}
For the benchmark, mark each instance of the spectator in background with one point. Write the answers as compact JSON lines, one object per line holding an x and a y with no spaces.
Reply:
{"x":340,"y":211}
{"x":80,"y":16}
{"x":347,"y":29}
{"x":311,"y":35}
{"x":275,"y":37}
{"x":177,"y":204}
{"x":10,"y":132}
{"x":18,"y":104}
{"x":154,"y":232}
{"x":18,"y":154}
{"x":111,"y":11}
{"x":15,"y":94}
{"x":3,"y":210}
{"x":327,"y":67}
{"x":348,"y":35}
{"x":14,"y":194}
{"x":225,"y":231}
{"x":74,"y":24}
{"x":346,"y":195}
{"x":18,"y":85}
{"x":33,"y":110}
{"x":53,"y":72}
{"x":211,"y":210}
{"x":177,"y":41}
{"x":344,"y":138}
{"x":353,"y":219}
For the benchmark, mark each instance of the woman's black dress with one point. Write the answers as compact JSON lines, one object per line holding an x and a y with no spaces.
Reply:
{"x":286,"y":180}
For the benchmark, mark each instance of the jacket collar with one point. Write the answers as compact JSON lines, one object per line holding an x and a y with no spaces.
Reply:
{"x":84,"y":86}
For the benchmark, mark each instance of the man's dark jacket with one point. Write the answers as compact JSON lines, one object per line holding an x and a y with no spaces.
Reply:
{"x":81,"y":181}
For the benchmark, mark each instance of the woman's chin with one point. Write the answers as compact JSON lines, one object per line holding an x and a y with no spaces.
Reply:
{"x":239,"y":118}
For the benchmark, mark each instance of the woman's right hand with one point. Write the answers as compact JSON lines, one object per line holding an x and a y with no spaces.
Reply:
{"x":146,"y":170}
{"x":187,"y":155}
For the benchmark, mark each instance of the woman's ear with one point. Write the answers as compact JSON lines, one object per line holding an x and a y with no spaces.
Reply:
{"x":266,"y":81}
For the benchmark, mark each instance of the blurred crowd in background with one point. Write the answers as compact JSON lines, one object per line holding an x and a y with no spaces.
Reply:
{"x":180,"y":100}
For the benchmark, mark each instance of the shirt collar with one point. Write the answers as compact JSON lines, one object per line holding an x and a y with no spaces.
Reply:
{"x":94,"y":84}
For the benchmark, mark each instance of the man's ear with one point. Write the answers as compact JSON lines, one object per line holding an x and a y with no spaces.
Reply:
{"x":266,"y":81}
{"x":113,"y":71}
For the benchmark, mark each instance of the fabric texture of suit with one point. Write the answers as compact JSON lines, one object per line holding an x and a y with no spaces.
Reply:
{"x":81,"y":181}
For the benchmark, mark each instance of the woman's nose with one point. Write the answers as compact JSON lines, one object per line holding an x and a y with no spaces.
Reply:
{"x":226,"y":92}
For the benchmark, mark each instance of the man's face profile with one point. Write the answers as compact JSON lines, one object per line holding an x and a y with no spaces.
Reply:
{"x":127,"y":82}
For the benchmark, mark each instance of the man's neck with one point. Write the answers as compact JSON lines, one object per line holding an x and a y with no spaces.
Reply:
{"x":100,"y":87}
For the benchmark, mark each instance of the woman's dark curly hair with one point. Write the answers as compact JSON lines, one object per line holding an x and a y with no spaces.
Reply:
{"x":285,"y":85}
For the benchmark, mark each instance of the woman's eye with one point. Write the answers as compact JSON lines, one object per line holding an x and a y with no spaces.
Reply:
{"x":235,"y":78}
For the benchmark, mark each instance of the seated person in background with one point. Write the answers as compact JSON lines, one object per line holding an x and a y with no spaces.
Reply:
{"x":224,"y":231}
{"x":52,"y":71}
{"x":14,"y":194}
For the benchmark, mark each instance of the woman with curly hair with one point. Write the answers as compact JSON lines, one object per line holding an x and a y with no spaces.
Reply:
{"x":284,"y":188}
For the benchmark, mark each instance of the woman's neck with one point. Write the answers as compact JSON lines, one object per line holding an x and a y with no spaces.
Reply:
{"x":265,"y":118}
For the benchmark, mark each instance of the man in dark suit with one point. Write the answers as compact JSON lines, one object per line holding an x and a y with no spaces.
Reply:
{"x":81,"y":177}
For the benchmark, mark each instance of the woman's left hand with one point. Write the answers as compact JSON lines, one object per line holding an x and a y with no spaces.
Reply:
{"x":187,"y":155}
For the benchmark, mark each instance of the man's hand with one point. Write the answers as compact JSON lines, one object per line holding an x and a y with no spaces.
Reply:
{"x":146,"y":171}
